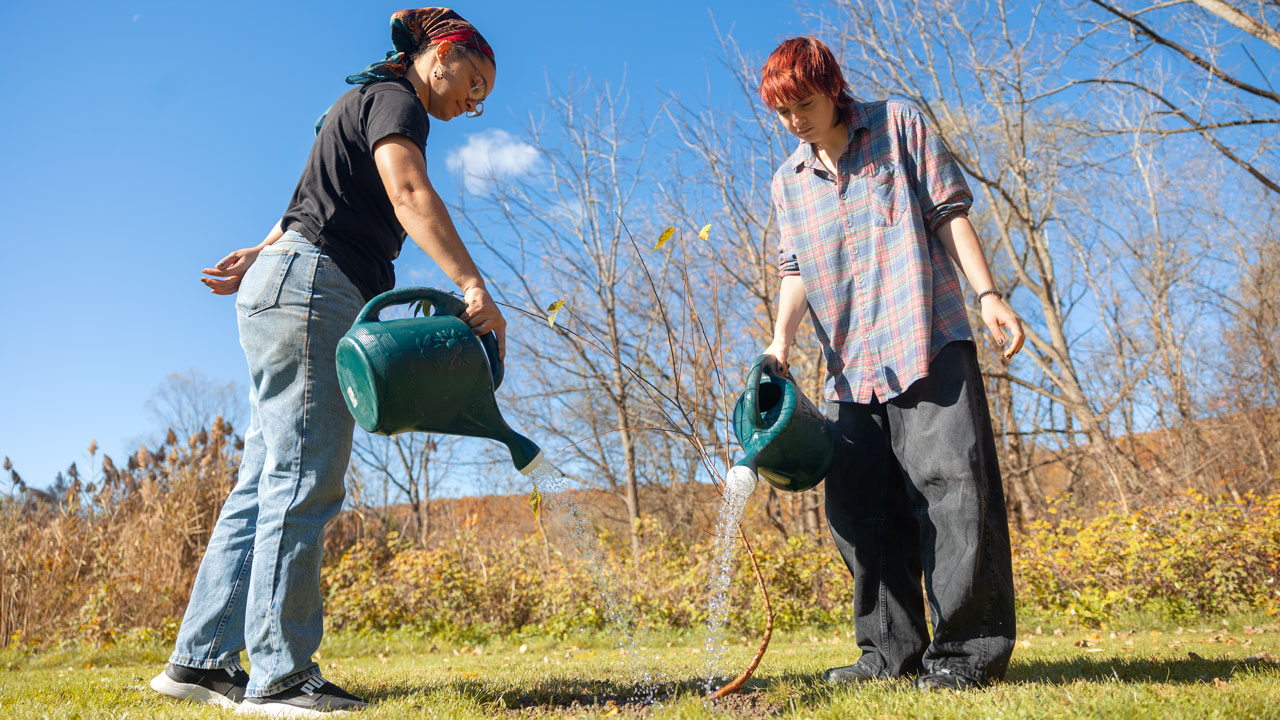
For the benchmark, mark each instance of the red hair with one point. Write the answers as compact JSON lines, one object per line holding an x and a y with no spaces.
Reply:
{"x":800,"y":67}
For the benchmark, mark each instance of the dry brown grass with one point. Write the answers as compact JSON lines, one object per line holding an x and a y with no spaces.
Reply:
{"x":115,"y":549}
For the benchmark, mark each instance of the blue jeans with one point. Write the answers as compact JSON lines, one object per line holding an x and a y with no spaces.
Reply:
{"x":258,"y":587}
{"x":914,"y":490}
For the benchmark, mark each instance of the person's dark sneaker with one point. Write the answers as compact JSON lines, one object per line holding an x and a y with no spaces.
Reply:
{"x":316,"y":697}
{"x":944,"y":679}
{"x":856,"y":673}
{"x":220,"y":686}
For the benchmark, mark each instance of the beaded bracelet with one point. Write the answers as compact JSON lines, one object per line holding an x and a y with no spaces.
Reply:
{"x":985,"y":293}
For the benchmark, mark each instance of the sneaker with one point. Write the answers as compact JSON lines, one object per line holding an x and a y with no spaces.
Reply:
{"x":856,"y":673}
{"x":316,"y":697}
{"x":219,"y":686}
{"x":944,"y":679}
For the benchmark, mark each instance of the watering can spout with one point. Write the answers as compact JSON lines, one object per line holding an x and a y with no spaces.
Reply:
{"x":741,"y":480}
{"x":483,"y":419}
{"x":429,"y":374}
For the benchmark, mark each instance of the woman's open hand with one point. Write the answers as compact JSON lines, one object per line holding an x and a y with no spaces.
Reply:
{"x":996,"y":314}
{"x":229,"y":271}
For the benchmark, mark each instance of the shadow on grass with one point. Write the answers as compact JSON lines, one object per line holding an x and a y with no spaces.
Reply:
{"x":775,"y":694}
{"x":568,"y":694}
{"x":1135,"y":670}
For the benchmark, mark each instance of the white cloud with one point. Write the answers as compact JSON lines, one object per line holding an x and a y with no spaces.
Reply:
{"x":491,"y":155}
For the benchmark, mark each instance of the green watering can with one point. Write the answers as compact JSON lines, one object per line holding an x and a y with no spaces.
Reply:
{"x":430,"y":374}
{"x":787,"y":439}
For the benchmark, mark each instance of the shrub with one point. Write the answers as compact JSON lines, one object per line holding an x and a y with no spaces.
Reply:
{"x":1198,"y":556}
{"x":117,"y":553}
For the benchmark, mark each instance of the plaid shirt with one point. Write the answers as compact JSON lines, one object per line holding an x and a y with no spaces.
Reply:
{"x":883,"y":294}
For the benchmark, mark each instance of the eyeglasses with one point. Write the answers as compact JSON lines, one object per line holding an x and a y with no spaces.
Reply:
{"x":478,"y":92}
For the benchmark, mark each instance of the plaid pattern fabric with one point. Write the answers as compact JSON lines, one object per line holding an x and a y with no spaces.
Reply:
{"x":883,"y":294}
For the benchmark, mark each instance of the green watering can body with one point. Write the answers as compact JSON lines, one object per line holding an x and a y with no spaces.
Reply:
{"x":787,"y":439}
{"x":426,"y":374}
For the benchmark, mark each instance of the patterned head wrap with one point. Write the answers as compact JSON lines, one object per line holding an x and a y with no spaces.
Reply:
{"x":410,"y":29}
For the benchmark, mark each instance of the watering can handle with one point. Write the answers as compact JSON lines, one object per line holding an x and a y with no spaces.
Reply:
{"x":444,"y":303}
{"x":751,"y":396}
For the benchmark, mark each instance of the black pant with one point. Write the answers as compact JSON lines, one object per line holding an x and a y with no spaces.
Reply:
{"x":915,"y":488}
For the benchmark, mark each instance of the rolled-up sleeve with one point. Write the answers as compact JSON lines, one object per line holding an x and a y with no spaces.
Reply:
{"x":940,"y":185}
{"x":788,"y":263}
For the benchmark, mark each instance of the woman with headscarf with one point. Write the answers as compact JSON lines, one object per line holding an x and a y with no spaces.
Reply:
{"x":363,"y":188}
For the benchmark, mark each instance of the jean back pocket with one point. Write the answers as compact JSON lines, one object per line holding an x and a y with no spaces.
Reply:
{"x":260,"y":288}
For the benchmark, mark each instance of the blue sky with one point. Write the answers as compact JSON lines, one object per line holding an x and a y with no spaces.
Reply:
{"x":145,"y":140}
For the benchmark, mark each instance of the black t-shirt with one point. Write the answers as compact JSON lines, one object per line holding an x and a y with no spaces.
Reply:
{"x":340,"y":204}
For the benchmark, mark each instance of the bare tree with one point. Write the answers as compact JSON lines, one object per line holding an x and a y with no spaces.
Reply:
{"x":572,"y":245}
{"x":190,"y":401}
{"x":1247,"y":392}
{"x":407,"y":463}
{"x":1214,"y":98}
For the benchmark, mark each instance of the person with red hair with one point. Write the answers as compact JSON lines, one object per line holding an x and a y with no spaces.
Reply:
{"x":873,"y":218}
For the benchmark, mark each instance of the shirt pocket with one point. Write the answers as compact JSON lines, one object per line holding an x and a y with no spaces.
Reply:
{"x":885,"y":204}
{"x":260,"y":287}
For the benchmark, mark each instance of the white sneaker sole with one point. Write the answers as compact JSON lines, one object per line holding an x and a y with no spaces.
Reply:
{"x":166,"y":686}
{"x":285,"y":710}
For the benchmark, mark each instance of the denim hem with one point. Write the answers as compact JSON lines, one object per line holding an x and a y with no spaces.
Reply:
{"x":191,"y":662}
{"x":283,"y":683}
{"x":954,"y":666}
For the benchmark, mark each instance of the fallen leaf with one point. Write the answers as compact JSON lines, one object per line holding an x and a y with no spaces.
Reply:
{"x":664,"y":237}
{"x":552,"y":310}
{"x":705,"y":232}
{"x":524,"y":649}
{"x":1218,"y":683}
{"x":1261,"y":657}
{"x":1194,"y":656}
{"x":1082,"y":643}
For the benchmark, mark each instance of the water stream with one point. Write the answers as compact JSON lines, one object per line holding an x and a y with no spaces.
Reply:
{"x":739,"y":483}
{"x":619,"y":615}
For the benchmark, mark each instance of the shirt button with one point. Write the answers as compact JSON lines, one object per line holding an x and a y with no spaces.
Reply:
{"x":841,"y":196}
{"x":855,"y":251}
{"x":849,"y":223}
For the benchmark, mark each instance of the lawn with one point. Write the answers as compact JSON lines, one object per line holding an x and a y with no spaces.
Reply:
{"x":1141,"y":669}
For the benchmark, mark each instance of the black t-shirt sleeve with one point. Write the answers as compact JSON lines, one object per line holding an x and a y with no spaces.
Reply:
{"x":391,"y":110}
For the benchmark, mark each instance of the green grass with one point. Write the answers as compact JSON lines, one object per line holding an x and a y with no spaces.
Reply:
{"x":1140,"y":669}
